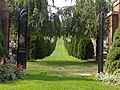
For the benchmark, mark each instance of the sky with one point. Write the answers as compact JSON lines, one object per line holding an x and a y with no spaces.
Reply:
{"x":61,"y":3}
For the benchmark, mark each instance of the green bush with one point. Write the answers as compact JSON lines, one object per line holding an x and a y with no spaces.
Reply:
{"x":9,"y":71}
{"x":113,"y":58}
{"x":41,"y":47}
{"x":85,"y":48}
{"x":80,"y":47}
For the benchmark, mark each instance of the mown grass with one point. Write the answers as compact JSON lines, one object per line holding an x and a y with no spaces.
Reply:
{"x":59,"y":72}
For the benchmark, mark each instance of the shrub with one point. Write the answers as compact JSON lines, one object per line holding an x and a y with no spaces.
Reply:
{"x":80,"y":47}
{"x":85,"y":48}
{"x":9,"y":71}
{"x":113,"y":58}
{"x":20,"y":72}
{"x":41,"y":46}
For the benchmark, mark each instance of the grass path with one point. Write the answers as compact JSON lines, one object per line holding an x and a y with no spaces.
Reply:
{"x":58,"y":72}
{"x":60,"y":53}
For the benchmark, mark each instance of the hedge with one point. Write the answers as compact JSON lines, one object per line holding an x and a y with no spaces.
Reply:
{"x":80,"y":47}
{"x":41,"y":47}
{"x":113,"y":58}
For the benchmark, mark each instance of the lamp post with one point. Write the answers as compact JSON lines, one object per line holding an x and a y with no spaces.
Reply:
{"x":100,"y":40}
{"x":22,"y":37}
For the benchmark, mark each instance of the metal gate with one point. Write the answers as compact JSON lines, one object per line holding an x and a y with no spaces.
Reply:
{"x":22,"y":37}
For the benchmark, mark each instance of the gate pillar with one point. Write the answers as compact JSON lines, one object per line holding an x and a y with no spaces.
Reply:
{"x":6,"y":27}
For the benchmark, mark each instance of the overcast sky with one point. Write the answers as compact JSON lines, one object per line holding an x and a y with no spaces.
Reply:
{"x":61,"y":3}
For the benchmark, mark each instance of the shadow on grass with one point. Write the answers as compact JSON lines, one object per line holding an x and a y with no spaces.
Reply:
{"x":46,"y":77}
{"x":66,"y":63}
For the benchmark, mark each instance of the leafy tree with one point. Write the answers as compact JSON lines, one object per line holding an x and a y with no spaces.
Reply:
{"x":83,"y":19}
{"x":57,"y":24}
{"x":40,"y":27}
{"x":80,"y":19}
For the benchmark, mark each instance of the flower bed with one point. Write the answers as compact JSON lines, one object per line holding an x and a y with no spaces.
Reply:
{"x":9,"y":71}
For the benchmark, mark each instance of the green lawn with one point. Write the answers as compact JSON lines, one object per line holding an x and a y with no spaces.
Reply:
{"x":59,"y":72}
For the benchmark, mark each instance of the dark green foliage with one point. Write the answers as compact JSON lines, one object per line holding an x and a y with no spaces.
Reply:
{"x":2,"y":49}
{"x":57,"y":24}
{"x":85,"y":48}
{"x":80,"y":47}
{"x":42,"y":29}
{"x":41,"y":47}
{"x":9,"y":71}
{"x":113,"y":58}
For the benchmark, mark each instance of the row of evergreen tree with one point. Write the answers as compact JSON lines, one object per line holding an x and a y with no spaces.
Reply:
{"x":80,"y":47}
{"x":80,"y":24}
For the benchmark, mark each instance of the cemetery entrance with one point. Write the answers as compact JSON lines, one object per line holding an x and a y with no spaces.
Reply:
{"x":22,"y":37}
{"x":18,"y":48}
